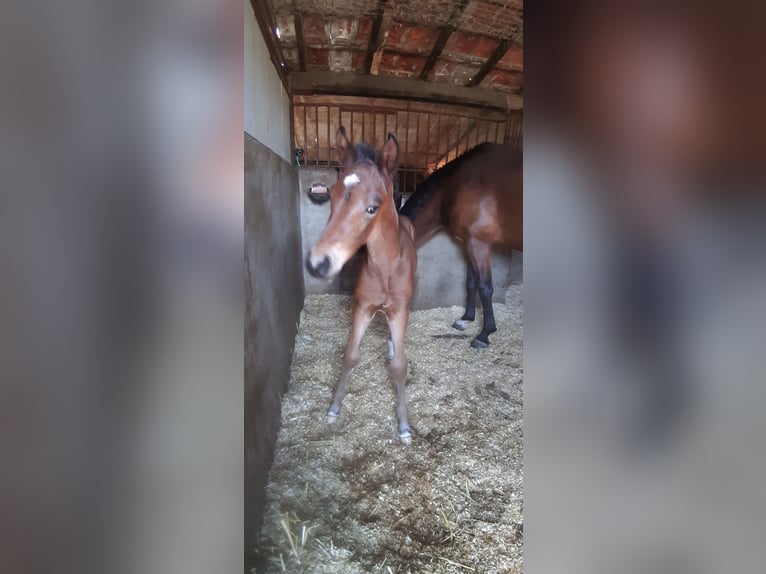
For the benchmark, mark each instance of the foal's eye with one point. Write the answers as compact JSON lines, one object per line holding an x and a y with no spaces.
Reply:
{"x":371,"y":209}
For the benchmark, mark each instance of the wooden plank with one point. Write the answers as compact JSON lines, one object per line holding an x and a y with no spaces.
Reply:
{"x":372,"y":44}
{"x":300,"y":42}
{"x":293,"y":143}
{"x":350,"y":84}
{"x":266,"y":23}
{"x":491,"y":62}
{"x":444,"y":34}
{"x":380,"y":104}
{"x":461,"y":138}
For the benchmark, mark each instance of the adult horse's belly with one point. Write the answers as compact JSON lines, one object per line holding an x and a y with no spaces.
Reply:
{"x":487,"y":219}
{"x":512,"y":220}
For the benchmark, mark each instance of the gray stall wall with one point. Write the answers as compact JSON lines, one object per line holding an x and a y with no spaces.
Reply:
{"x":440,"y":279}
{"x":313,"y":221}
{"x":274,"y":299}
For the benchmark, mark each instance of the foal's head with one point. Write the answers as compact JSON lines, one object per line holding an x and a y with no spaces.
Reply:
{"x":361,"y":199}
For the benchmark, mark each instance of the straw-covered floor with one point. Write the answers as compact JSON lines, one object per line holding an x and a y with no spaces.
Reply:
{"x":349,"y":498}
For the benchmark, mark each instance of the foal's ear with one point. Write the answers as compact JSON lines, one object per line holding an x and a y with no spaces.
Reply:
{"x":346,"y":151}
{"x":389,"y":156}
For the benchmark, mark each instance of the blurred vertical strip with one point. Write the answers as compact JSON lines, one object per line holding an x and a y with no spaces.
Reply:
{"x":122,"y":294}
{"x":645,"y":286}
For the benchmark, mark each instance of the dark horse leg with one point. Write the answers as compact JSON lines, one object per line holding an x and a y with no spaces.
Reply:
{"x":470,"y":298}
{"x":480,"y":256}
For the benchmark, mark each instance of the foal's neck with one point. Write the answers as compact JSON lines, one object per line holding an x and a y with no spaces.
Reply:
{"x":383,"y":247}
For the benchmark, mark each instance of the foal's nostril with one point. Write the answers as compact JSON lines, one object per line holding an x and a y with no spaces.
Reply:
{"x":323,"y":267}
{"x":320,"y":270}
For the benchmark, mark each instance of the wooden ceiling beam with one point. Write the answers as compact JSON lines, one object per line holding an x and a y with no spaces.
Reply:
{"x":372,"y":44}
{"x":490,"y":63}
{"x":444,"y":34}
{"x":299,"y":40}
{"x":267,"y":26}
{"x":351,"y":84}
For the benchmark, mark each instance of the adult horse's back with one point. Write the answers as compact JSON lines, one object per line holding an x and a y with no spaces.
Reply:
{"x":478,"y":199}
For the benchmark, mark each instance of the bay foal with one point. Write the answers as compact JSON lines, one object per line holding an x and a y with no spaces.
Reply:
{"x":363,"y":212}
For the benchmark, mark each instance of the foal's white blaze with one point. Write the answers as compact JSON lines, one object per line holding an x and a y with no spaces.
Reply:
{"x":351,"y":180}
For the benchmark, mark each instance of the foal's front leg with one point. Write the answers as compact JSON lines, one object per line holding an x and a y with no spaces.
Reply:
{"x":360,"y":322}
{"x":397,"y":323}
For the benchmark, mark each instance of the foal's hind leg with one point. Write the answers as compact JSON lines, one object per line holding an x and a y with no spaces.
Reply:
{"x":480,"y":255}
{"x":470,"y":299}
{"x":397,"y":322}
{"x":361,"y":320}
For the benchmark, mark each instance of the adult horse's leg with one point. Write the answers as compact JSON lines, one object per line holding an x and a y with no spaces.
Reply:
{"x":360,"y":322}
{"x":470,"y":298}
{"x":480,"y":255}
{"x":397,"y":323}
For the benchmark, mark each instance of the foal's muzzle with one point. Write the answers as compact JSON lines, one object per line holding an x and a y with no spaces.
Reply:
{"x":321,"y":269}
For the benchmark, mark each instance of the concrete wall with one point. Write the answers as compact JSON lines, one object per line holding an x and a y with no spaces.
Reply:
{"x":273,"y":262}
{"x":267,"y":105}
{"x":313,"y":221}
{"x":274,"y":299}
{"x":440,"y":280}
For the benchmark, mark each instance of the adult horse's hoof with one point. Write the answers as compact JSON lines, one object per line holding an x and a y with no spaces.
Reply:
{"x":406,"y":437}
{"x":332,"y":417}
{"x":479,"y":344}
{"x":460,"y":324}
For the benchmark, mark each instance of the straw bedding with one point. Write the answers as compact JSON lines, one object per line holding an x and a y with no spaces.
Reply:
{"x":349,"y":498}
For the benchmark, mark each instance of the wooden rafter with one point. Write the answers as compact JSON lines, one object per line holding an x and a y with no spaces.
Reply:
{"x":266,"y":24}
{"x":351,"y":84}
{"x":299,"y":41}
{"x":372,"y":44}
{"x":491,"y":62}
{"x":444,"y":34}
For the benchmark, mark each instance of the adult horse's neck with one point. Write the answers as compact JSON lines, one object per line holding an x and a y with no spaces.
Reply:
{"x":425,"y":214}
{"x":424,"y":207}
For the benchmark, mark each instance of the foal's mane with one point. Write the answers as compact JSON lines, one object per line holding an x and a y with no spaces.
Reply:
{"x":364,"y":152}
{"x":428,"y":189}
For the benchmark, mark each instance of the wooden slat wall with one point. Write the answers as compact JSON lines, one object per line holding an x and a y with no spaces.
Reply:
{"x":429,"y":135}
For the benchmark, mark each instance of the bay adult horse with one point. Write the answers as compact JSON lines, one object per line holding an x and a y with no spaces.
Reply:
{"x":363,"y":212}
{"x":477,"y":198}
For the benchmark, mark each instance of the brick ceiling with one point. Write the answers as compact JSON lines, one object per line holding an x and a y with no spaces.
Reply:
{"x":459,"y":51}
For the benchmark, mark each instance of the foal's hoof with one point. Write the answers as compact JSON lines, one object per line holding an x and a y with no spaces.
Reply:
{"x":405,"y":437}
{"x":479,"y":344}
{"x":460,"y":324}
{"x":390,"y":345}
{"x":332,"y":417}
